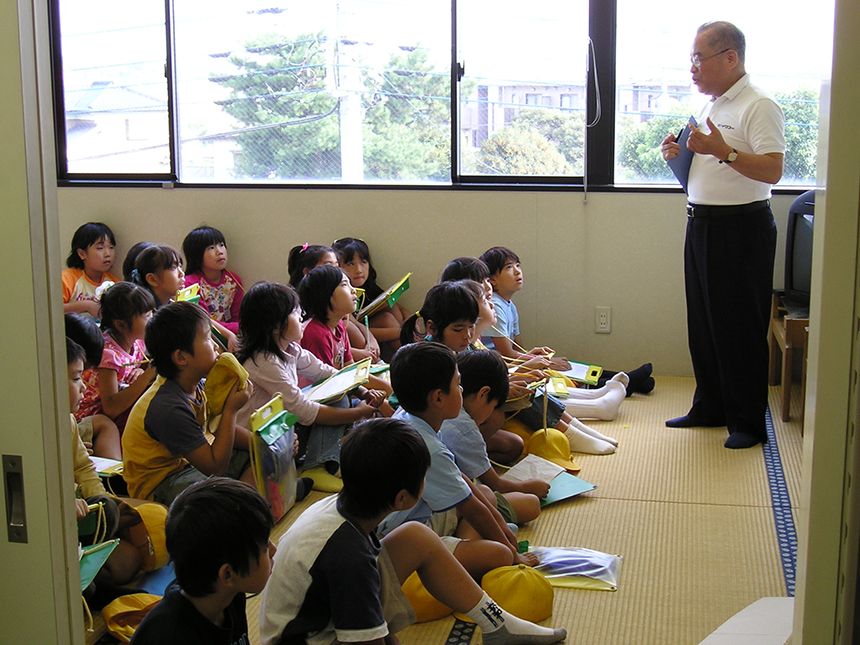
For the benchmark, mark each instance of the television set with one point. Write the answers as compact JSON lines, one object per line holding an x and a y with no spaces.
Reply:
{"x":798,"y":251}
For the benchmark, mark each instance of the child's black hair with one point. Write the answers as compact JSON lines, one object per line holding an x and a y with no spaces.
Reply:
{"x":419,"y":369}
{"x":483,"y":368}
{"x":378,"y":459}
{"x":211,"y":523}
{"x":174,"y":326}
{"x":444,"y":304}
{"x":123,"y":301}
{"x":130,"y":257}
{"x":87,"y":235}
{"x":195,"y":244}
{"x":304,"y":257}
{"x":497,"y":257}
{"x":265,"y":309}
{"x":74,"y":352}
{"x":316,"y":289}
{"x":86,"y":333}
{"x":347,"y":248}
{"x":465,"y":269}
{"x":154,"y":259}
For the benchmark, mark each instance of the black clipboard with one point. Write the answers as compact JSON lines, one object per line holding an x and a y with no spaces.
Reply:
{"x":680,"y":165}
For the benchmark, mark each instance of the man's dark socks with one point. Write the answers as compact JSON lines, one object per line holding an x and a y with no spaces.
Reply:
{"x":689,"y":421}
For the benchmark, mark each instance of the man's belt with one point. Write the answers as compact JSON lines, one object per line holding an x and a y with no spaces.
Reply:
{"x":701,"y":210}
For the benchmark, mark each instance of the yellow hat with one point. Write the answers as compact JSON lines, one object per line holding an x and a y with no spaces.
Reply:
{"x":122,"y":615}
{"x":521,"y":591}
{"x":226,"y":371}
{"x":426,"y":607}
{"x":518,"y":428}
{"x":552,"y":445}
{"x":147,"y":535}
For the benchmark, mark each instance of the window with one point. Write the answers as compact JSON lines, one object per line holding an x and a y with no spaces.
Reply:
{"x":367,"y":92}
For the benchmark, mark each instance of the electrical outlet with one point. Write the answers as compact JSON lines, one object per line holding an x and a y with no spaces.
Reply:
{"x":602,"y":320}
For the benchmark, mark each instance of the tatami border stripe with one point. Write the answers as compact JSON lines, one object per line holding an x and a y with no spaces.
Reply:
{"x":783,"y":518}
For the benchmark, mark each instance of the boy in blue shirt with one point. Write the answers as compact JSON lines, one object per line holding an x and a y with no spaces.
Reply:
{"x":335,"y":581}
{"x":217,"y":535}
{"x":426,"y":382}
{"x":484,"y":380}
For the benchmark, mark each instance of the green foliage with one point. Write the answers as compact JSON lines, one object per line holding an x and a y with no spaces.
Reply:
{"x":565,"y":130}
{"x":279,"y":91}
{"x":408,"y":111}
{"x":638,"y":152}
{"x":801,"y":134}
{"x":515,"y":151}
{"x":282,"y":84}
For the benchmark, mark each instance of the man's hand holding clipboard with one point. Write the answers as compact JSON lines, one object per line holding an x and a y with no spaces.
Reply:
{"x":677,"y":155}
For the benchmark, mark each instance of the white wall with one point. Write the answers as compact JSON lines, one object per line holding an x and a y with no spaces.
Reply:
{"x":623,"y":250}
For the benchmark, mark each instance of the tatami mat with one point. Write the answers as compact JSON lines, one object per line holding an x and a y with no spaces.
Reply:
{"x":693,"y":521}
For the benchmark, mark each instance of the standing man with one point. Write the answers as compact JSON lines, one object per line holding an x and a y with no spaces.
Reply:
{"x":731,"y":238}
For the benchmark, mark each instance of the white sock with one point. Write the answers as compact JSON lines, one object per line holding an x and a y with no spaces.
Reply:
{"x":604,"y":408}
{"x":582,"y":442}
{"x":579,"y":425}
{"x":597,"y":392}
{"x":498,"y":627}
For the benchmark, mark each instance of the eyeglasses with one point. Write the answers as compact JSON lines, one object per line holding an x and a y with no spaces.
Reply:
{"x":697,"y":60}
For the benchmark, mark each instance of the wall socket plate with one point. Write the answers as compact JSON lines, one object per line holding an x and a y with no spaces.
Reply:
{"x":602,"y":320}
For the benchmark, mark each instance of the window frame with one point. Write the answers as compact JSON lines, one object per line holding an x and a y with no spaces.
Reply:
{"x":599,"y":152}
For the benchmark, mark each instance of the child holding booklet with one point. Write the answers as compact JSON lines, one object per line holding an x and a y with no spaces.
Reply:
{"x":271,"y":329}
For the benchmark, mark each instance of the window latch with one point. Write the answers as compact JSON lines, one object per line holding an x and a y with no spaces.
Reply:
{"x":461,"y":71}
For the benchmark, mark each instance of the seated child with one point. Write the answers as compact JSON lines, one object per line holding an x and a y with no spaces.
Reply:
{"x":124,"y":372}
{"x":328,"y":300}
{"x":220,"y":290}
{"x":484,"y":379}
{"x":158,"y":268}
{"x":89,"y":265}
{"x":217,"y":535}
{"x":334,"y":581}
{"x":125,"y":561}
{"x":270,"y":324}
{"x":450,"y":313}
{"x":99,"y":434}
{"x":167,"y":444}
{"x":506,"y":277}
{"x":304,"y":258}
{"x":353,"y":255}
{"x":427,"y":384}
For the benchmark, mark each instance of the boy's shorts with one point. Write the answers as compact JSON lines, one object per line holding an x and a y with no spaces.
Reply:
{"x":532,"y":416}
{"x":396,"y":608}
{"x":85,"y":429}
{"x":444,"y":525}
{"x":505,"y":508}
{"x":172,"y":485}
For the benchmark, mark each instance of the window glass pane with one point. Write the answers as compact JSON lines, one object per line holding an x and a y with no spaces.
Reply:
{"x":115,"y":90}
{"x":787,"y":53}
{"x":353,"y":91}
{"x":522,"y":99}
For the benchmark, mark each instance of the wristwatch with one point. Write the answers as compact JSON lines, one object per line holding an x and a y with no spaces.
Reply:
{"x":732,"y":156}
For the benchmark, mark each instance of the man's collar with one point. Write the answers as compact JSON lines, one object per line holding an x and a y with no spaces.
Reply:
{"x":735,"y":89}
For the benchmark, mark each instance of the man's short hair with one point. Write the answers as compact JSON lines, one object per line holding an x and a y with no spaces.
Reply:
{"x":419,"y":369}
{"x":85,"y":332}
{"x":174,"y":326}
{"x":497,"y":257}
{"x":483,"y":368}
{"x":378,"y":459}
{"x":724,"y":35}
{"x":215,"y":522}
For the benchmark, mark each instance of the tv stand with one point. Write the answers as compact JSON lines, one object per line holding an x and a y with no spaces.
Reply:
{"x":788,"y":334}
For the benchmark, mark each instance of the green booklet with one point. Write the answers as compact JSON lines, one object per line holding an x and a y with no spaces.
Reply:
{"x":388,"y":297}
